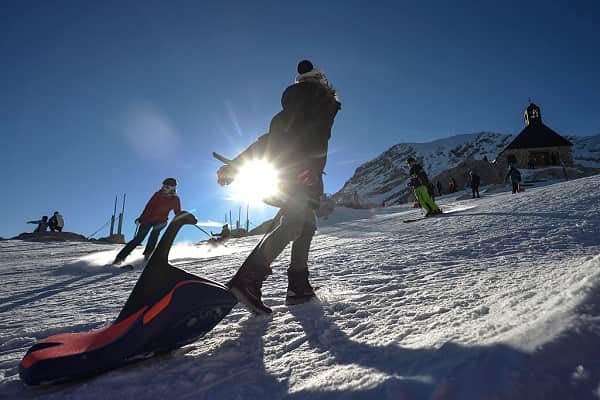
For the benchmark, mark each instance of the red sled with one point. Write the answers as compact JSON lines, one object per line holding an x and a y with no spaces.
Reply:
{"x":167,"y":309}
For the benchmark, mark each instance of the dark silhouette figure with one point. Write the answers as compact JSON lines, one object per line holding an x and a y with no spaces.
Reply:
{"x":42,"y":224}
{"x":56,"y":222}
{"x":296,"y":145}
{"x":475,"y":181}
{"x":439,"y":187}
{"x":515,"y":178}
{"x":451,"y":185}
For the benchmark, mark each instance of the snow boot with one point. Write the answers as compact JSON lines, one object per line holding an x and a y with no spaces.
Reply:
{"x":299,"y":289}
{"x":246,"y":287}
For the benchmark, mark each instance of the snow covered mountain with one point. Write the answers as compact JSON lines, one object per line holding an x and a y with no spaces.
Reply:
{"x":500,"y":299}
{"x":382,"y":178}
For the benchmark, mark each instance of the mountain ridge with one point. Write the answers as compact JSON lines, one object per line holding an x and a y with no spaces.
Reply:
{"x":381,"y":179}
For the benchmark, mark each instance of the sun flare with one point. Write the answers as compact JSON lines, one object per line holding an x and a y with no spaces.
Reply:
{"x":255,"y":181}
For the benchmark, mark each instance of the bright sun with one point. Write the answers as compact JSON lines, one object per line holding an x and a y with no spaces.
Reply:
{"x":255,"y":181}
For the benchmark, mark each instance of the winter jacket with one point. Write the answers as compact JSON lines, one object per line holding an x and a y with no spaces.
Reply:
{"x":418,"y":176}
{"x":514,"y":174}
{"x":56,"y":221}
{"x":158,"y":207}
{"x":475,"y":180}
{"x":298,"y":137}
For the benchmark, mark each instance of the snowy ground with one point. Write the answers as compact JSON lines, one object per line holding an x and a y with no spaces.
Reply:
{"x":498,"y":299}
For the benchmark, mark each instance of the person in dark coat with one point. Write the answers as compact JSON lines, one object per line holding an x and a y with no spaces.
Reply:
{"x":515,"y":178}
{"x":56,"y":222}
{"x":439,"y":187}
{"x":42,"y":224}
{"x":153,"y":218}
{"x":296,"y":145}
{"x":451,"y":185}
{"x":475,"y":181}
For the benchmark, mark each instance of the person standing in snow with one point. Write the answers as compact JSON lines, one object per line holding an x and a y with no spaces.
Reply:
{"x":439,"y":188}
{"x":296,"y":145}
{"x":42,"y":224}
{"x":154,"y":217}
{"x":451,"y":185}
{"x":515,"y":178}
{"x":56,"y":222}
{"x":420,"y":184}
{"x":475,"y":181}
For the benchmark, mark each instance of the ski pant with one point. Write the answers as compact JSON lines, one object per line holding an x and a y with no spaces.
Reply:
{"x":422,"y":194}
{"x":143,"y":230}
{"x":475,"y":190}
{"x":515,"y":187}
{"x":296,"y":223}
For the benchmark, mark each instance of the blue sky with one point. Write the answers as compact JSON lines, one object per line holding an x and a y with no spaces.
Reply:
{"x":101,"y":98}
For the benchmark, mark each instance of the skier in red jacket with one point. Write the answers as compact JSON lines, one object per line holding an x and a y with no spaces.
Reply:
{"x":154,"y":217}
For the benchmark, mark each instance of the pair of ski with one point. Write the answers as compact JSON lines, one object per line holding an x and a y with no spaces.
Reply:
{"x":406,"y":221}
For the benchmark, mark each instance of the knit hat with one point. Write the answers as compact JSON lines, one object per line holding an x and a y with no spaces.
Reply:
{"x":304,"y":66}
{"x":170,"y":182}
{"x":410,"y":159}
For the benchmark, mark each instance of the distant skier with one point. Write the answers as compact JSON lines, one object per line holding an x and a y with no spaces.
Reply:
{"x":439,"y":187}
{"x":154,"y":217}
{"x":420,"y":184}
{"x":515,"y":178}
{"x":451,"y":185}
{"x":56,"y":222}
{"x":296,"y":144}
{"x":475,"y":181}
{"x":42,"y":224}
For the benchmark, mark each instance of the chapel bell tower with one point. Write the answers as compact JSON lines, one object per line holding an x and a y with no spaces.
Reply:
{"x":533,"y":115}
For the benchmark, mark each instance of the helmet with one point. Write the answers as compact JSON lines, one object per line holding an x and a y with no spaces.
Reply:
{"x":170,"y":182}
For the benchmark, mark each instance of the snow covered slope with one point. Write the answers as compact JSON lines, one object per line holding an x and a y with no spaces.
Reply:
{"x":498,"y":299}
{"x":379,"y":179}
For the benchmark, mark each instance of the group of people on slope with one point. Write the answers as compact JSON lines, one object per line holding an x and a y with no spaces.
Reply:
{"x":56,"y":223}
{"x":297,"y":145}
{"x":474,"y":181}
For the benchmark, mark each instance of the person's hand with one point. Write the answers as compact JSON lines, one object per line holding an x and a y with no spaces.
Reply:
{"x":137,"y":221}
{"x":225,"y":175}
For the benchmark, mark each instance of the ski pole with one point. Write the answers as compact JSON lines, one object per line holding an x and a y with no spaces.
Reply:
{"x":209,"y":235}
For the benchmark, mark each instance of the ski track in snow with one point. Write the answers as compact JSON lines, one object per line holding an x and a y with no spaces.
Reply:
{"x":499,"y":298}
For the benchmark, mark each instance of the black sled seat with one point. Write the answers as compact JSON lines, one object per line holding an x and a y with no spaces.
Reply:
{"x":167,"y":309}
